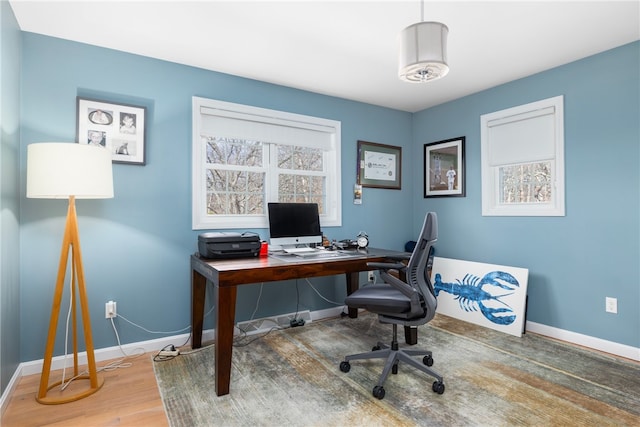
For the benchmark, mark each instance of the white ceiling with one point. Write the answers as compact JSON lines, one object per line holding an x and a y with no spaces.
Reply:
{"x":346,"y":49}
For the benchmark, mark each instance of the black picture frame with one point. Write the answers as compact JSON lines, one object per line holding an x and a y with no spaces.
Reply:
{"x":119,"y":128}
{"x":379,"y":165}
{"x":440,"y":158}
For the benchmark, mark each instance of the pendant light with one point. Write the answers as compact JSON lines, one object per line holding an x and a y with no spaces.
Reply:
{"x":423,"y":51}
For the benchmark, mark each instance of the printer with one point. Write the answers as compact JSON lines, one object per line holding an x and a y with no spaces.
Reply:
{"x":228,"y":245}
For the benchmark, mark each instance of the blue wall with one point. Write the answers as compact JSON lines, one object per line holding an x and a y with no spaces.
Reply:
{"x":574,"y":261}
{"x":10,"y":48}
{"x":136,"y":246}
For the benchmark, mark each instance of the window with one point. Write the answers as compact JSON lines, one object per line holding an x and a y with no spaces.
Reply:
{"x":523,"y":160}
{"x":245,"y":157}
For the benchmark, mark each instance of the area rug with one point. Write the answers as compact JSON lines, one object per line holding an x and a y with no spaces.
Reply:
{"x":292,"y":378}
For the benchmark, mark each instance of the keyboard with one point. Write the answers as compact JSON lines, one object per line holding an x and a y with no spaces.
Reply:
{"x":312,"y":254}
{"x":301,"y":251}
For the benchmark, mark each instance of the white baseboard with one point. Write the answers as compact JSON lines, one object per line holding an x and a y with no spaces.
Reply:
{"x":327,"y":313}
{"x":102,"y":354}
{"x":8,"y":392}
{"x":610,"y":347}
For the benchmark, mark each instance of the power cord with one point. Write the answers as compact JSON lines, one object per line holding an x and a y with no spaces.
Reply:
{"x":321,"y":296}
{"x":257,"y":302}
{"x":295,"y":321}
{"x":155,"y":332}
{"x":239,"y":343}
{"x":116,"y":364}
{"x":108,"y":367}
{"x":169,"y":351}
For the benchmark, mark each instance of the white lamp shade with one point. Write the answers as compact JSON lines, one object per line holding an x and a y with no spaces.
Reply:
{"x":58,"y":170}
{"x":423,"y":52}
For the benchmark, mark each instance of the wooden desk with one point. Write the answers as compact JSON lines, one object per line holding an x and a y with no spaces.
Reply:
{"x":226,"y":275}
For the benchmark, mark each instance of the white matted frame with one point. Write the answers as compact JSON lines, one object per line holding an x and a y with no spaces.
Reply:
{"x":493,"y":296}
{"x":444,"y":170}
{"x":120,"y":128}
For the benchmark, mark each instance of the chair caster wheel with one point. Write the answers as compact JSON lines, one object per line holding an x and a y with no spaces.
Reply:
{"x":378,"y":392}
{"x":394,"y":369}
{"x":428,"y":360}
{"x":345,"y":366}
{"x":375,"y":348}
{"x":438,"y":387}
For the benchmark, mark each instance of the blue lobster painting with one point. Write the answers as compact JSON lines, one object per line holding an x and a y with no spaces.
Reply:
{"x":470,"y":294}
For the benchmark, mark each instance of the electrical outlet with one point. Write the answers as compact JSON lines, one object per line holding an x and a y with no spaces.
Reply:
{"x":110,"y":310}
{"x":611,"y":305}
{"x":371,"y":276}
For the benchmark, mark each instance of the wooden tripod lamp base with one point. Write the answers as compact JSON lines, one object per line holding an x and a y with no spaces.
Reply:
{"x":45,"y":394}
{"x":62,"y":398}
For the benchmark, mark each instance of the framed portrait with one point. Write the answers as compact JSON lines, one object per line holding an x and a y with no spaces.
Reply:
{"x":119,"y":128}
{"x":444,"y":171}
{"x":379,"y":165}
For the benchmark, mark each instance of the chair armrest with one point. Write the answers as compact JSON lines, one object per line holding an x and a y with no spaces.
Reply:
{"x":407,"y":290}
{"x":397,"y":265}
{"x":400,"y":257}
{"x":386,"y":265}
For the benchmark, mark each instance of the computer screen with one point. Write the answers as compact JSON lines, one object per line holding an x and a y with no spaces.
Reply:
{"x":292,"y":224}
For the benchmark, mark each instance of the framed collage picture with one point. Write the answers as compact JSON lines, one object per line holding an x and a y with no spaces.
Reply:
{"x":119,"y":128}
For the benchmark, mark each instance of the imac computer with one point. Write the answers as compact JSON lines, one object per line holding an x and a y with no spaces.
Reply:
{"x":294,"y":226}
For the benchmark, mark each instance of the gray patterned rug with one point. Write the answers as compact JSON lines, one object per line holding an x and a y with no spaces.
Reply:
{"x":291,"y":378}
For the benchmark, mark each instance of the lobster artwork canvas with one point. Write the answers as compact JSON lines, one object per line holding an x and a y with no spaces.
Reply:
{"x":489,"y":295}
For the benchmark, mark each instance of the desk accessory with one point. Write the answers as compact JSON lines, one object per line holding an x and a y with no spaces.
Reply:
{"x":362,"y":240}
{"x":69,"y":171}
{"x":218,"y":245}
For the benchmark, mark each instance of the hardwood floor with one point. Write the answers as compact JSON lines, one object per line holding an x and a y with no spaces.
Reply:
{"x":129,"y":397}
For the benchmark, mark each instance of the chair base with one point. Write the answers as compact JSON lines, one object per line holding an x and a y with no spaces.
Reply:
{"x":393,"y":356}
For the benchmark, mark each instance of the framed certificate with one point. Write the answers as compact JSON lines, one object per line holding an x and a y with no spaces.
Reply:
{"x":379,"y":165}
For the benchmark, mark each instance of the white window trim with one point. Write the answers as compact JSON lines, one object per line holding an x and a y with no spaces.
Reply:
{"x":490,"y":184}
{"x":201,"y":221}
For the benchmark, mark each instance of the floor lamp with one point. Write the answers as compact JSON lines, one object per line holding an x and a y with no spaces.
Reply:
{"x":69,"y":171}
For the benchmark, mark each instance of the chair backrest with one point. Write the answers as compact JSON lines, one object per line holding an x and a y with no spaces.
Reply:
{"x":417,"y":267}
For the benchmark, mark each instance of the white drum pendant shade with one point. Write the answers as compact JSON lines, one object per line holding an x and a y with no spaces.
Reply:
{"x":423,"y":52}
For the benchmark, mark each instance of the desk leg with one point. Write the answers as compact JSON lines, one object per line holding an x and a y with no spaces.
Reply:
{"x":225,"y":317}
{"x":198,"y":288}
{"x":353,"y":284}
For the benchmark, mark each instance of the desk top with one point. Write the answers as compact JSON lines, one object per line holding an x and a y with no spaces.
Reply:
{"x":232,"y":272}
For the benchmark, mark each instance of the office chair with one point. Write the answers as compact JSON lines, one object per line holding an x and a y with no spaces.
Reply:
{"x":409,"y":303}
